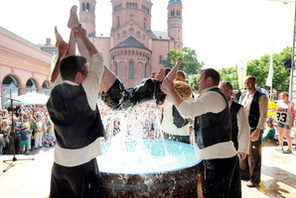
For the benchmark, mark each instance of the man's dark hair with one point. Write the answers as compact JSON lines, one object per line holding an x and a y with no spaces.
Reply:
{"x":252,"y":78}
{"x":167,"y":70}
{"x":70,"y":65}
{"x":212,"y":73}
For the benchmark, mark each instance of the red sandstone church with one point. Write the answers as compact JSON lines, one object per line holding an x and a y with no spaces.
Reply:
{"x":132,"y":51}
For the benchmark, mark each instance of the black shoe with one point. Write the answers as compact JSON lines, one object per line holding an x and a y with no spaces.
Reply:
{"x":251,"y":184}
{"x":287,"y":151}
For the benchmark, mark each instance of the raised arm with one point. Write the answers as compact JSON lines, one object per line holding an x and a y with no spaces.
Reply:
{"x":168,"y":85}
{"x":62,"y":49}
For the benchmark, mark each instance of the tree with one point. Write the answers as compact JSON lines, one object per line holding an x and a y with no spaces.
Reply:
{"x":281,"y":75}
{"x":230,"y":74}
{"x":193,"y":80}
{"x":190,"y":63}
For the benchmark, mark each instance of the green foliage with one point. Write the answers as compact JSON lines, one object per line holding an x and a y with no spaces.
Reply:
{"x":260,"y":68}
{"x":193,"y":80}
{"x":190,"y":63}
{"x":281,"y":75}
{"x":230,"y":74}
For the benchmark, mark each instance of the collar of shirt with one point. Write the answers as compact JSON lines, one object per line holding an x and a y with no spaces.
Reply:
{"x":70,"y":82}
{"x":207,"y":89}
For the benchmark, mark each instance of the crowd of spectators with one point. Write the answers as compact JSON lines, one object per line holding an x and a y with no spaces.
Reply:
{"x":24,"y":129}
{"x":34,"y":130}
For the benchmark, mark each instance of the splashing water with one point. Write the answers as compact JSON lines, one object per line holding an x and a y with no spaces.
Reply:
{"x":130,"y":152}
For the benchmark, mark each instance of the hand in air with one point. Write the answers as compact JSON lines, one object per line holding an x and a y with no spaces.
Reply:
{"x":78,"y":31}
{"x":166,"y":86}
{"x":160,"y":75}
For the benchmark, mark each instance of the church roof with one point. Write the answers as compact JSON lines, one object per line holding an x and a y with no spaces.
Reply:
{"x":175,"y":1}
{"x":160,"y":35}
{"x":130,"y":42}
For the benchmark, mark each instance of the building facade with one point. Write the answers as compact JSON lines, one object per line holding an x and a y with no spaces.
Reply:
{"x":133,"y":50}
{"x":24,"y":67}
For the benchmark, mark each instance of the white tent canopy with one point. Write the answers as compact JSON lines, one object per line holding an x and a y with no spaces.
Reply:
{"x":29,"y":99}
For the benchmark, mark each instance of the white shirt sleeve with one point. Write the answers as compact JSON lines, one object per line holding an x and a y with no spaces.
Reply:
{"x":263,"y":106}
{"x":91,"y":84}
{"x":243,"y":136}
{"x":210,"y":101}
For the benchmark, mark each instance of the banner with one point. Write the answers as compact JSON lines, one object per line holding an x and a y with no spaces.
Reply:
{"x":241,"y":74}
{"x":270,"y":74}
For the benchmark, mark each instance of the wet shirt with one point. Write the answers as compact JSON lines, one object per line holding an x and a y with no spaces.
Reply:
{"x":208,"y":101}
{"x":91,"y":84}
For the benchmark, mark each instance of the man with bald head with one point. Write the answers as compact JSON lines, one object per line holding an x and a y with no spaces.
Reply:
{"x":255,"y":105}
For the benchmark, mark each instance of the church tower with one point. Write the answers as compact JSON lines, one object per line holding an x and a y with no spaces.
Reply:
{"x":175,"y":22}
{"x":131,"y":18}
{"x":87,"y":16}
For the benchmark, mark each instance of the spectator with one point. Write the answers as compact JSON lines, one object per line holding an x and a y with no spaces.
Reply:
{"x":255,"y":105}
{"x":49,"y":138}
{"x":270,"y":132}
{"x":239,"y":121}
{"x":39,"y":131}
{"x":6,"y":131}
{"x":285,"y":118}
{"x":25,"y":134}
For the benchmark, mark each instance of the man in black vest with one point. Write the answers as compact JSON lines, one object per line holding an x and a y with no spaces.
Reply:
{"x":72,"y":108}
{"x":255,"y":105}
{"x":77,"y":122}
{"x":239,"y":121}
{"x":212,"y":127}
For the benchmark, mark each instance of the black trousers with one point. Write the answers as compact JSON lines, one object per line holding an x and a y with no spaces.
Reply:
{"x":222,"y":178}
{"x":81,"y":181}
{"x":251,"y":165}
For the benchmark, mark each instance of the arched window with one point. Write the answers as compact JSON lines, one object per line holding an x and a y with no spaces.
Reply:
{"x":118,"y":22}
{"x":131,"y":70}
{"x":173,"y":13}
{"x":160,"y":59}
{"x":87,"y":7}
{"x":145,"y":70}
{"x":31,"y":86}
{"x":144,"y":24}
{"x":45,"y":88}
{"x":10,"y":85}
{"x":116,"y":69}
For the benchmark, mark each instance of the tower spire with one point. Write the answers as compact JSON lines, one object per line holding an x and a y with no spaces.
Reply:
{"x":87,"y":16}
{"x":175,"y":22}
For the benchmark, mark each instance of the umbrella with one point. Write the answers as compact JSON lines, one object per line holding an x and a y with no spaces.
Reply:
{"x":29,"y":98}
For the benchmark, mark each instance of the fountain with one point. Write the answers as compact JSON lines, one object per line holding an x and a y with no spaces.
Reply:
{"x":139,"y":167}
